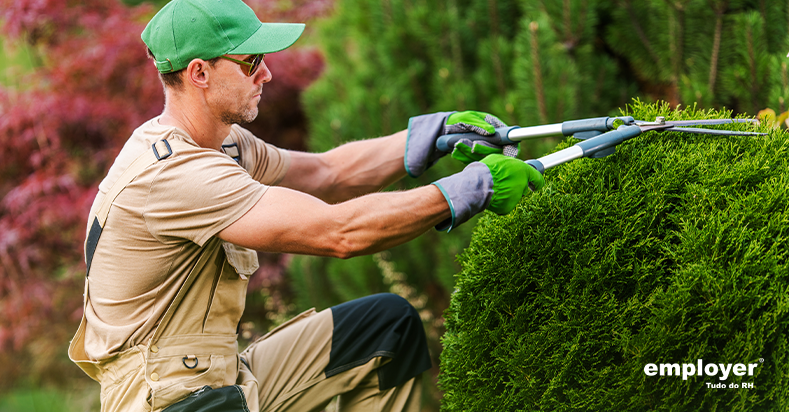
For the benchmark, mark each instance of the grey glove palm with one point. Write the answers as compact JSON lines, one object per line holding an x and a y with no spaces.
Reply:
{"x":423,"y":132}
{"x":496,"y":183}
{"x":420,"y":146}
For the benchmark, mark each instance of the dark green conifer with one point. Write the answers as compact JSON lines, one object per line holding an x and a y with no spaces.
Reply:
{"x":672,"y":250}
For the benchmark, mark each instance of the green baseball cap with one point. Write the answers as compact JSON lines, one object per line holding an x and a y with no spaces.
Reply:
{"x":184,"y":30}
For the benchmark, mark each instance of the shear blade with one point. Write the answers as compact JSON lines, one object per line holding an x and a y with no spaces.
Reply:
{"x":710,"y":122}
{"x":710,"y":131}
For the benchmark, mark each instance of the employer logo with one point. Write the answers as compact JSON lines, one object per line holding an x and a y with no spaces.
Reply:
{"x":686,"y":370}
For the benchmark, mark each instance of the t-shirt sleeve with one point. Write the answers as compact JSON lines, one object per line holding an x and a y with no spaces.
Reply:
{"x":266,"y":163}
{"x":197,"y":194}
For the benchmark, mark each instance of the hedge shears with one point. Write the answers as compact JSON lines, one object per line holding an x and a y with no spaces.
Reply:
{"x":600,"y":135}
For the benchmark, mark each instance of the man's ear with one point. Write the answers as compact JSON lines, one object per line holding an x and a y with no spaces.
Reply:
{"x":197,"y":73}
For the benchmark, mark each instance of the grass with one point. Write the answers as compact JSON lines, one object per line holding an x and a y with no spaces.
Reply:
{"x":51,"y":400}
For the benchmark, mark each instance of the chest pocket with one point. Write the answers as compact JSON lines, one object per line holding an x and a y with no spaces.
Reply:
{"x":229,"y":295}
{"x":243,"y":260}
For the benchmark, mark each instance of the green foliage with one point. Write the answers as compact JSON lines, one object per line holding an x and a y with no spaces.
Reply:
{"x":559,"y":72}
{"x":748,"y":76}
{"x":16,"y":60}
{"x":714,"y":53}
{"x":49,"y":400}
{"x":326,"y":282}
{"x":672,"y":250}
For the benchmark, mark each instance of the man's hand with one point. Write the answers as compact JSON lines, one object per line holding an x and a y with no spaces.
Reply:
{"x":423,"y":132}
{"x":511,"y":179}
{"x":497,"y":183}
{"x":481,"y":123}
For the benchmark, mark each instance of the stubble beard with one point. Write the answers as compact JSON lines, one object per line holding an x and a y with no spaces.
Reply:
{"x":239,"y":110}
{"x":241,"y":115}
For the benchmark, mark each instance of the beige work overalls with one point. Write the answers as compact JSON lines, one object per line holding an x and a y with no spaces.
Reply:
{"x":195,"y":343}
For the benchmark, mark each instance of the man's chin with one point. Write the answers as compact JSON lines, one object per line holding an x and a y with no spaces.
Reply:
{"x":240,"y":118}
{"x":250,"y":117}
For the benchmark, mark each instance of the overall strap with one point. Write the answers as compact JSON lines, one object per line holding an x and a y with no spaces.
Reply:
{"x":160,"y":150}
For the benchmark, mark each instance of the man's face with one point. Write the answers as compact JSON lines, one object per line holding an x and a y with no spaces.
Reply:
{"x":235,"y":96}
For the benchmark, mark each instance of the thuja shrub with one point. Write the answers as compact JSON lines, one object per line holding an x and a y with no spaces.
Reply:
{"x":604,"y":289}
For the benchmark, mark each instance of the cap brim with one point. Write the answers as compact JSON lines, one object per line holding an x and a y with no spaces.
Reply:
{"x":270,"y":38}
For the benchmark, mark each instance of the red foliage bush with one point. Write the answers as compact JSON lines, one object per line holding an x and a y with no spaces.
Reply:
{"x":59,"y":134}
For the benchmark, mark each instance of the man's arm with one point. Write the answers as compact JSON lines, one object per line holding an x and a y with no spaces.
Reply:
{"x":286,"y":220}
{"x":351,"y":170}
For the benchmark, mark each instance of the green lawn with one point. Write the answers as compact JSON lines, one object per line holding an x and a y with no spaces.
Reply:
{"x":50,"y":400}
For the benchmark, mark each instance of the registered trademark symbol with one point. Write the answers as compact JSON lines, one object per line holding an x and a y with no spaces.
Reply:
{"x":761,"y":360}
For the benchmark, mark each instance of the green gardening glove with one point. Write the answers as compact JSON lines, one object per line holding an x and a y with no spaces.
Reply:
{"x":472,"y":121}
{"x":483,"y":124}
{"x":468,"y":152}
{"x":512,"y":178}
{"x":496,"y":183}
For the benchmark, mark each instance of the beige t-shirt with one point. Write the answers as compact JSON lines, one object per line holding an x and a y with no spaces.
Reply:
{"x":157,"y":225}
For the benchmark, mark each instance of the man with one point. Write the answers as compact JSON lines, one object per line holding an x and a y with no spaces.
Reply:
{"x":191,"y":192}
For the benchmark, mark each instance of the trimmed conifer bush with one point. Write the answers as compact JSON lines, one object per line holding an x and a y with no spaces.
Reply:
{"x":671,"y":251}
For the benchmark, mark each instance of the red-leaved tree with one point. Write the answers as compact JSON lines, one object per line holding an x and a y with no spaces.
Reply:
{"x":59,"y":133}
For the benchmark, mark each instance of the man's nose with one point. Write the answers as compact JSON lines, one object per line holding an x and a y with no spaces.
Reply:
{"x":263,"y":74}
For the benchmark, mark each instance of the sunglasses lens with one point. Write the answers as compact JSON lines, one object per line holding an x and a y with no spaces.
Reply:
{"x":255,"y":64}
